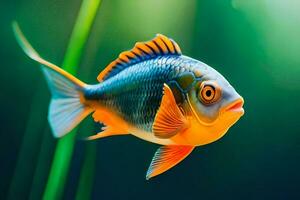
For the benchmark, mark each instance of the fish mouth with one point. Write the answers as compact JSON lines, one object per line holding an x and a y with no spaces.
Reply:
{"x":236,"y":106}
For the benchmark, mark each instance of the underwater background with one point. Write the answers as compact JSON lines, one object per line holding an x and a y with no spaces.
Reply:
{"x":254,"y":44}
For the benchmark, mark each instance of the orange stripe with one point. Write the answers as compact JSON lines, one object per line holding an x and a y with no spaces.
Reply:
{"x":106,"y":70}
{"x":28,"y":49}
{"x":168,"y":43}
{"x":161,"y":44}
{"x":176,"y":47}
{"x":143,"y":47}
{"x":156,"y":49}
{"x":124,"y":57}
{"x":130,"y":54}
{"x":138,"y":52}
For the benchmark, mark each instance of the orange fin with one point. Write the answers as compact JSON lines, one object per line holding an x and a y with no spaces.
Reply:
{"x":167,"y":157}
{"x":160,"y":45}
{"x":106,"y":131}
{"x":169,"y":119}
{"x":112,"y":125}
{"x":102,"y":116}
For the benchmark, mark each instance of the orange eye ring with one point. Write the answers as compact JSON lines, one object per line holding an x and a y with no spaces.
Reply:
{"x":209,"y":92}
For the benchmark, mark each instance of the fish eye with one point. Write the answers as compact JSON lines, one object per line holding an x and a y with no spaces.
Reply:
{"x":209,"y":92}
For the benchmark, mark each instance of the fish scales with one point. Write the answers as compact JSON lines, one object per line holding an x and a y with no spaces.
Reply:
{"x":135,"y":93}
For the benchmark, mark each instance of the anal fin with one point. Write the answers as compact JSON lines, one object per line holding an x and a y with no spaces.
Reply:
{"x":113,"y":124}
{"x":106,"y":131}
{"x":167,"y":157}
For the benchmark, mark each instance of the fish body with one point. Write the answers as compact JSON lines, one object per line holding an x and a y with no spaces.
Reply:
{"x":152,"y":92}
{"x":135,"y":93}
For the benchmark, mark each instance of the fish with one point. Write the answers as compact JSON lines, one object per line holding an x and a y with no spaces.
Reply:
{"x":152,"y":92}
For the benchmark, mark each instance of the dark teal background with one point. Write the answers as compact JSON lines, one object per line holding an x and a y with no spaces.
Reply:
{"x":254,"y":44}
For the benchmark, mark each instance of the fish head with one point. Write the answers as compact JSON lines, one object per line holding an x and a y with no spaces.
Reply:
{"x":212,"y":106}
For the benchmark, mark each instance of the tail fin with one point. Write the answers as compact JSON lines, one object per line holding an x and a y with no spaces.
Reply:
{"x":67,"y":107}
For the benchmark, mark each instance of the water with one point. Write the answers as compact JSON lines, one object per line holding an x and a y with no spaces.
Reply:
{"x":254,"y":45}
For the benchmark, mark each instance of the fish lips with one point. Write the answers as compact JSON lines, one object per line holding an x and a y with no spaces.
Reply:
{"x":235,"y":107}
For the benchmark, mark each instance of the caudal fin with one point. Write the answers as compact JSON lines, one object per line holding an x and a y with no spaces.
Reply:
{"x":67,"y":107}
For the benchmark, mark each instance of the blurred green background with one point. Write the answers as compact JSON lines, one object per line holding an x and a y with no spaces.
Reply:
{"x":254,"y":44}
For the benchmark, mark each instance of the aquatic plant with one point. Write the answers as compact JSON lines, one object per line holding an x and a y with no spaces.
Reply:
{"x":64,"y":149}
{"x":63,"y":153}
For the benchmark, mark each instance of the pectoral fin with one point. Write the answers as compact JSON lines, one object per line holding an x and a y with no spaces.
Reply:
{"x":169,"y":119}
{"x":167,"y":157}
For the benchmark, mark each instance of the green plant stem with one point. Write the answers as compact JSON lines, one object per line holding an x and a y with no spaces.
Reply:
{"x":86,"y":179}
{"x":43,"y":165}
{"x":64,"y":149}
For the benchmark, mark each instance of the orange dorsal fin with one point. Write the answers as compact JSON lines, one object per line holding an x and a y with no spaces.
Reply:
{"x":167,"y":157}
{"x":169,"y":119}
{"x":160,"y":45}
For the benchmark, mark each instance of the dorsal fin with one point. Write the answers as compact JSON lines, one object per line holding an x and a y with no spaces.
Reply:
{"x":160,"y":45}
